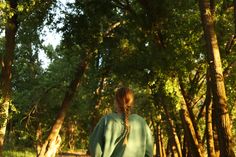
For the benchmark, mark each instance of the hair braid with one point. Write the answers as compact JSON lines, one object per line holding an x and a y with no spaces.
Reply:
{"x":124,"y":99}
{"x":126,"y":121}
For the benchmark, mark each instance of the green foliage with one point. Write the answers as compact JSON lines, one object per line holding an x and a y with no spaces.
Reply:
{"x":149,"y":47}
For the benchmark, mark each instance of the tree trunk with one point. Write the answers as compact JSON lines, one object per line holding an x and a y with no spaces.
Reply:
{"x":218,"y":88}
{"x":209,"y":133}
{"x":188,"y":103}
{"x":10,"y":43}
{"x":39,"y":133}
{"x":71,"y":129}
{"x":173,"y":132}
{"x":209,"y":129}
{"x":51,"y":144}
{"x":194,"y":146}
{"x":216,"y":141}
{"x":185,"y":147}
{"x":158,"y":141}
{"x":170,"y":150}
{"x":215,"y":135}
{"x":174,"y":152}
{"x":162,"y":144}
{"x":98,"y":99}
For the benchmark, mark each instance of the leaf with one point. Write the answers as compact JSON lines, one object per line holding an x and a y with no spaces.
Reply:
{"x":20,"y":7}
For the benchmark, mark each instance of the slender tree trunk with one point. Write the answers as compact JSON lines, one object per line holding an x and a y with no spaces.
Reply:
{"x":171,"y":149}
{"x":10,"y":43}
{"x":201,"y":113}
{"x":71,"y":128}
{"x":209,"y":133}
{"x":156,"y":154}
{"x":209,"y":126}
{"x":39,"y":134}
{"x":158,"y":142}
{"x":189,"y":108}
{"x":216,"y":141}
{"x":174,"y":152}
{"x":168,"y":149}
{"x":162,"y":145}
{"x":98,"y":99}
{"x":194,"y":146}
{"x":51,"y":143}
{"x":185,"y":147}
{"x":215,"y":135}
{"x":173,"y":132}
{"x":218,"y":88}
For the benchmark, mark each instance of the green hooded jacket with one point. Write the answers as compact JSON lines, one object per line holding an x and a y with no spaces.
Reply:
{"x":107,"y":139}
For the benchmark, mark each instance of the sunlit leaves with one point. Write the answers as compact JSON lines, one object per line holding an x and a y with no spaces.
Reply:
{"x":147,"y":47}
{"x":20,"y":7}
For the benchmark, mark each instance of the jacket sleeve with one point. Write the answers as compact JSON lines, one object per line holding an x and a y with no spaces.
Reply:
{"x":96,"y":140}
{"x":149,"y":143}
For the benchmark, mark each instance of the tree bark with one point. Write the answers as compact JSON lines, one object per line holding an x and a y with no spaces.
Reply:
{"x":39,"y":138}
{"x":155,"y":134}
{"x":160,"y":148}
{"x":218,"y":87}
{"x":174,"y":152}
{"x":194,"y":146}
{"x":98,"y":99}
{"x":158,"y":141}
{"x":162,"y":144}
{"x":171,"y":148}
{"x":168,"y":149}
{"x":215,"y":135}
{"x":209,"y":126}
{"x":188,"y":103}
{"x":10,"y":43}
{"x":51,"y":143}
{"x":173,"y":132}
{"x":185,"y":146}
{"x":209,"y":133}
{"x":216,"y":141}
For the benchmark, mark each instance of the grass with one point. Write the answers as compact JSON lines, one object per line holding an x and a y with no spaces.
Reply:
{"x":19,"y":153}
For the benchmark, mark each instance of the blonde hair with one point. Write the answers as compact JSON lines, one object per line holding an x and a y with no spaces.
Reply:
{"x":124,"y":98}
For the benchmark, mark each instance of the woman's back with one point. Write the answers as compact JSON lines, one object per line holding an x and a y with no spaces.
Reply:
{"x":121,"y":134}
{"x":111,"y":128}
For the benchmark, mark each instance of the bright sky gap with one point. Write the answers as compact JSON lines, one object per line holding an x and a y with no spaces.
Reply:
{"x":50,"y":36}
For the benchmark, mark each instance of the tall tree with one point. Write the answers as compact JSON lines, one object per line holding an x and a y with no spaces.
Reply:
{"x":217,"y":81}
{"x":10,"y":44}
{"x":51,"y":144}
{"x":87,"y":33}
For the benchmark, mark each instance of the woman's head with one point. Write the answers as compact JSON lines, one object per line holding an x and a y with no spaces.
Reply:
{"x":124,"y":98}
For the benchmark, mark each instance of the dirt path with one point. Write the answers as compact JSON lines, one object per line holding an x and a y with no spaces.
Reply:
{"x":72,"y":155}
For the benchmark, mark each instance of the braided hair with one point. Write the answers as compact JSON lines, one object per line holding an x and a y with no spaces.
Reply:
{"x":124,"y":98}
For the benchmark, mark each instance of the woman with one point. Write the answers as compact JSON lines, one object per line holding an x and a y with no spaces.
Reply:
{"x":121,"y":134}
